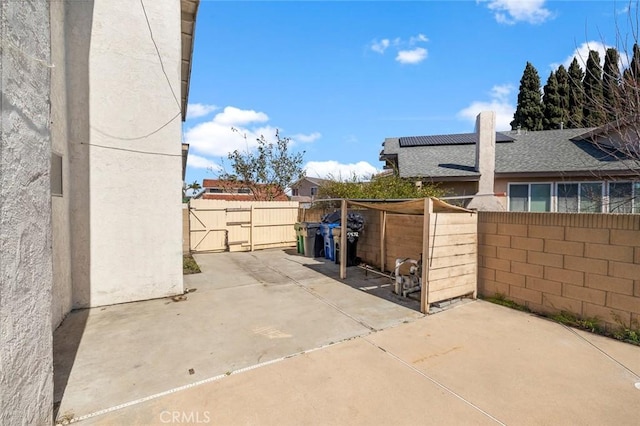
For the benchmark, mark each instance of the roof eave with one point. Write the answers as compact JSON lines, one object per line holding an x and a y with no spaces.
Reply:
{"x":188,"y":12}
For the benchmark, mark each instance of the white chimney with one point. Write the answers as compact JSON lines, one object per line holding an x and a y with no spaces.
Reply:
{"x":486,"y":162}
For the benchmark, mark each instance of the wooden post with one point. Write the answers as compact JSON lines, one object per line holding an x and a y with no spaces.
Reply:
{"x":251,"y":217}
{"x":343,"y":241}
{"x":424,"y":299}
{"x":383,"y":229}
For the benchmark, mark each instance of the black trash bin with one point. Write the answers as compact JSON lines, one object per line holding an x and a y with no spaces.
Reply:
{"x":352,"y":246}
{"x":355,"y":225}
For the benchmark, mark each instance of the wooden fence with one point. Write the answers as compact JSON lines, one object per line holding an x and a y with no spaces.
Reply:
{"x":219,"y":225}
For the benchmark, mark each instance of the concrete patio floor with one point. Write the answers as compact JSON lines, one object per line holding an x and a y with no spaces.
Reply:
{"x":304,"y":348}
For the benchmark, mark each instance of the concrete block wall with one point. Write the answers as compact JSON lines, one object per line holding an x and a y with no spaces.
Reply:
{"x":587,"y":264}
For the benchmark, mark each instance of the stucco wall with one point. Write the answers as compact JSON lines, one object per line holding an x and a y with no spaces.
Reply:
{"x":60,"y":214}
{"x":26,"y":386}
{"x":125,"y":150}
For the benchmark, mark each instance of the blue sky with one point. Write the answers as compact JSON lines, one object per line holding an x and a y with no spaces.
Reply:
{"x":337,"y":77}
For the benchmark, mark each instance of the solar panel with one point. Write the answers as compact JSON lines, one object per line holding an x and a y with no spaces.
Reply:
{"x":453,"y":139}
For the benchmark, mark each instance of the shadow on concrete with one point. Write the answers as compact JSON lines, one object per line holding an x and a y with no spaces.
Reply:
{"x":366,"y":281}
{"x":66,"y":340}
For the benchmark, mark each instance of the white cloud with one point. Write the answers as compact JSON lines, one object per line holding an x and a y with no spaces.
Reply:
{"x":380,"y":46}
{"x":199,"y":110}
{"x":513,"y":11}
{"x":581,"y":53}
{"x":199,"y":162}
{"x":331,"y":168}
{"x":414,"y":56}
{"x":417,"y":39}
{"x":300,"y":137}
{"x":499,"y":103}
{"x":233,"y":116}
{"x":215,"y":138}
{"x":406,"y":52}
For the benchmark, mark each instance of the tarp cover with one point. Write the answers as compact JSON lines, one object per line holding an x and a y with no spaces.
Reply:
{"x":410,"y":207}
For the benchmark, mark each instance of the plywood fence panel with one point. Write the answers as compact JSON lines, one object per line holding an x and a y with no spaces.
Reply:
{"x":241,"y":225}
{"x":453,"y":259}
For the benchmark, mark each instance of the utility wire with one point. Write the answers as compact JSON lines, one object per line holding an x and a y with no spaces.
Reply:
{"x":160,"y":56}
{"x":175,"y":98}
{"x":135,"y":138}
{"x":137,"y":151}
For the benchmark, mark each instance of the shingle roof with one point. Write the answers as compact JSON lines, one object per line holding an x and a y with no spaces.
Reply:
{"x":547,"y":151}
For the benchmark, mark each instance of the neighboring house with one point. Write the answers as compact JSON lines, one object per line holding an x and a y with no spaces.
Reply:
{"x":306,"y":189}
{"x":550,"y":170}
{"x":218,"y":189}
{"x":93,"y":95}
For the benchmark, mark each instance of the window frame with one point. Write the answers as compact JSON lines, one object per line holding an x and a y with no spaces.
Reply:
{"x":551,"y":195}
{"x":604,"y":203}
{"x":635,"y":196}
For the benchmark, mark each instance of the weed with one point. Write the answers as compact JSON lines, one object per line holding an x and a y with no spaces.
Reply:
{"x":629,"y":334}
{"x":189,"y":265}
{"x":584,"y":323}
{"x":501,"y":299}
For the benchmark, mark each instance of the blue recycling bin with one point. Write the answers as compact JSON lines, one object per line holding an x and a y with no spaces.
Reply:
{"x":325,"y":230}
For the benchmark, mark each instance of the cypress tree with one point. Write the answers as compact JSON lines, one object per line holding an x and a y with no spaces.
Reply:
{"x":529,"y":112}
{"x":576,"y":95}
{"x":562,"y":77}
{"x":551,"y":102}
{"x":593,"y":111}
{"x":611,"y":83}
{"x":634,"y":66}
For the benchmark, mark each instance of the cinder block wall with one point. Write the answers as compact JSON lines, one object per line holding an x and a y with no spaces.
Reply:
{"x":587,"y":264}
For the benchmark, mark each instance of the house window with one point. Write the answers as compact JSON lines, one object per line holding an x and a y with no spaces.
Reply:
{"x":244,"y":191}
{"x":294,"y":192}
{"x":529,"y":197}
{"x":623,"y":197}
{"x":215,"y":190}
{"x":314,"y":191}
{"x":583,"y":197}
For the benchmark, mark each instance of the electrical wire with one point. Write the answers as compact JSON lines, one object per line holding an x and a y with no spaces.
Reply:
{"x":159,"y":56}
{"x":175,"y":98}
{"x":135,"y":138}
{"x":137,"y":151}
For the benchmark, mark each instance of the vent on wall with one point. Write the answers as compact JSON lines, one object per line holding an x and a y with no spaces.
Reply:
{"x":56,"y":174}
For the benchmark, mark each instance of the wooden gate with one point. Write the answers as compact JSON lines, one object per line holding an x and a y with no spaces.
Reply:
{"x":218,"y":225}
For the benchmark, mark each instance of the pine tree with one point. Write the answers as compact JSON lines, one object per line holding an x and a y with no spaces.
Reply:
{"x":551,"y":101}
{"x":593,"y":112}
{"x":611,"y":83}
{"x":562,"y":77}
{"x":576,"y":95}
{"x":529,"y":112}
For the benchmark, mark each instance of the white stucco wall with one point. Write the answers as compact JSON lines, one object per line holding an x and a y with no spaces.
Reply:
{"x":60,"y":216}
{"x":26,"y":386}
{"x":126,"y":236}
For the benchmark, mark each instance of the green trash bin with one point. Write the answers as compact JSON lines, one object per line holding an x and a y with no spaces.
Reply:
{"x":299,"y":226}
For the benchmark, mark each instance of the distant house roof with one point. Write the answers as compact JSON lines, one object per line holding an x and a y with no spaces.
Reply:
{"x":313,"y":180}
{"x":228,"y":194}
{"x":568,"y":151}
